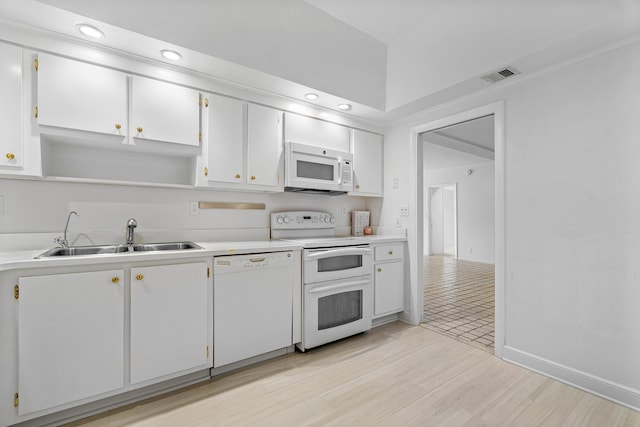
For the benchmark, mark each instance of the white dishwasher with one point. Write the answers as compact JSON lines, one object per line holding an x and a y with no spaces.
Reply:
{"x":252,"y":305}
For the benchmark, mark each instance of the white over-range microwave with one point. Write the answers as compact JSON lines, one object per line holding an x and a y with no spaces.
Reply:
{"x":317,"y":170}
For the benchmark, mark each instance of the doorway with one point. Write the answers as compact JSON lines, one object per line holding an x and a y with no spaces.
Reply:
{"x":420,"y":226}
{"x":441,"y":220}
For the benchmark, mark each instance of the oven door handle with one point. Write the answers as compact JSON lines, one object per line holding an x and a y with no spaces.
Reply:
{"x":336,"y":252}
{"x":339,"y":286}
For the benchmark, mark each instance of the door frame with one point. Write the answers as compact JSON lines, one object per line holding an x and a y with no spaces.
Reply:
{"x":455,"y":217}
{"x":416,"y":206}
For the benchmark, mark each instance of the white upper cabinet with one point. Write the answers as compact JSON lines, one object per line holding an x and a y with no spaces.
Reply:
{"x":11,"y":106}
{"x":76,"y":95}
{"x":319,"y":133}
{"x":244,"y":145}
{"x":164,"y":112}
{"x":226,"y":139}
{"x":265,"y":165}
{"x":367,"y":163}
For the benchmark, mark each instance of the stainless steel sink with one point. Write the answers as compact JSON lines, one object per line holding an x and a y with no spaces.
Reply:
{"x":175,"y":246}
{"x":84,"y":250}
{"x":116,"y":249}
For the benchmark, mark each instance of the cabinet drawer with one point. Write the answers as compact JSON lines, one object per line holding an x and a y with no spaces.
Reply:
{"x":389,"y":252}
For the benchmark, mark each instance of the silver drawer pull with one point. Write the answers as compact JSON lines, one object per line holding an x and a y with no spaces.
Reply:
{"x":256,"y":259}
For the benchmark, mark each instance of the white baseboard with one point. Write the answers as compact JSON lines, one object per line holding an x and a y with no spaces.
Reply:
{"x":606,"y":389}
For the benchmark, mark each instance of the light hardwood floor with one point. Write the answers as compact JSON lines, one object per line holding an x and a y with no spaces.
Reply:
{"x":395,"y":375}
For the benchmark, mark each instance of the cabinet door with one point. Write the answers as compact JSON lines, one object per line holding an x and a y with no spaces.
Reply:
{"x":70,"y":338}
{"x":319,"y":133}
{"x":388,"y":288}
{"x":75,"y":95}
{"x":367,"y":163}
{"x":164,"y":112}
{"x":264,"y":146}
{"x":168,"y":320}
{"x":226,"y":140}
{"x":10,"y":106}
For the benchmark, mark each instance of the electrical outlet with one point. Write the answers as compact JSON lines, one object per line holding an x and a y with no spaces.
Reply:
{"x":344,"y":211}
{"x":404,"y":210}
{"x":194,"y":209}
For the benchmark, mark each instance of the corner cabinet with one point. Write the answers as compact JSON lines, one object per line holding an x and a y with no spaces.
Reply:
{"x":244,"y":145}
{"x":70,"y":338}
{"x":168,"y":320}
{"x":11,"y":142}
{"x":368,"y":151}
{"x":388,"y":278}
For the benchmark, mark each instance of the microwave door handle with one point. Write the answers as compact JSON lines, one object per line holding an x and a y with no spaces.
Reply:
{"x":341,"y":285}
{"x":340,"y":171}
{"x":337,"y":252}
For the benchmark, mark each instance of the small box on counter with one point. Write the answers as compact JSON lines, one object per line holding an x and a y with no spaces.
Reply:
{"x":359,"y":220}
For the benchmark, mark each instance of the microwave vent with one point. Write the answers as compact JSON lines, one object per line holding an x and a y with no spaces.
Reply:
{"x":501,"y":74}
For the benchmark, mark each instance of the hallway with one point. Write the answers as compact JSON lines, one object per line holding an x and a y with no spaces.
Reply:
{"x":459,"y":300}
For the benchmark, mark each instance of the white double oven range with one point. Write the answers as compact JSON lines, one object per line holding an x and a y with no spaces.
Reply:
{"x":336,"y":276}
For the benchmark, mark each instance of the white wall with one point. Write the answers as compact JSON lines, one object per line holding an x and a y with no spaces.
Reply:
{"x":572,"y":217}
{"x":475,"y":201}
{"x":36,"y":211}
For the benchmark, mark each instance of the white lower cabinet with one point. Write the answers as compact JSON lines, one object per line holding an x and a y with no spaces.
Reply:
{"x":388,"y":279}
{"x":169,"y":314}
{"x":86,"y":335}
{"x":70,"y":338}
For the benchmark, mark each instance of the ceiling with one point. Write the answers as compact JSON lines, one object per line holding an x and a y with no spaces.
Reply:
{"x":385,"y":20}
{"x":387,"y":58}
{"x":460,"y":144}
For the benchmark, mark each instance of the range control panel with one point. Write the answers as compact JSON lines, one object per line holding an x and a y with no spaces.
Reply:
{"x":302,"y":220}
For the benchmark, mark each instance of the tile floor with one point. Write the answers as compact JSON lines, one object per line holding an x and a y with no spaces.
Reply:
{"x":459,"y":300}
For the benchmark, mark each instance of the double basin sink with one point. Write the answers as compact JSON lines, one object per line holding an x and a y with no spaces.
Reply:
{"x":116,"y":249}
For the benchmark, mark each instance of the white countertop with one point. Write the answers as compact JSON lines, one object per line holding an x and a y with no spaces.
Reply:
{"x":26,"y":258}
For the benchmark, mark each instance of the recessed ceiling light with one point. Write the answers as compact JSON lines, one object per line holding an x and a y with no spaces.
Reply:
{"x":312,"y":96}
{"x":90,"y":31}
{"x":344,"y":107}
{"x":171,"y":54}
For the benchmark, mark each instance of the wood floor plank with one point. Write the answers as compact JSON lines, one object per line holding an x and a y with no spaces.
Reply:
{"x":396,"y":374}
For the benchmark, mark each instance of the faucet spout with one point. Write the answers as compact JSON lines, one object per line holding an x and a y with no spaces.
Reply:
{"x":131,"y":225}
{"x":62,"y":241}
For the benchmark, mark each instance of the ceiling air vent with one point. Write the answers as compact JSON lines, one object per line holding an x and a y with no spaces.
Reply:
{"x":501,"y":75}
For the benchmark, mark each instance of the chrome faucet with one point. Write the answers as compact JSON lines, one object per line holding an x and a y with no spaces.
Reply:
{"x":131,"y":224}
{"x":62,"y":241}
